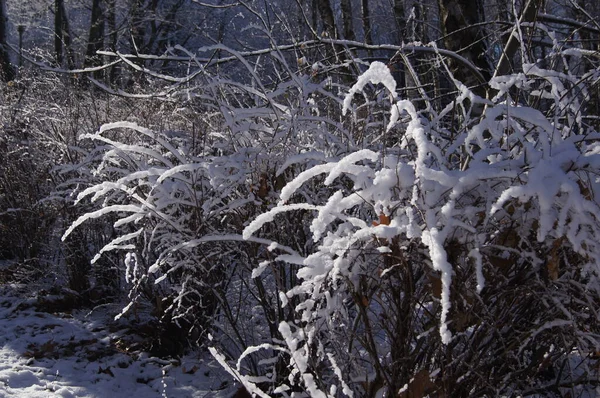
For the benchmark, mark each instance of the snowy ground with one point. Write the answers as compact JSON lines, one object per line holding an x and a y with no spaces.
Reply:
{"x":77,"y":354}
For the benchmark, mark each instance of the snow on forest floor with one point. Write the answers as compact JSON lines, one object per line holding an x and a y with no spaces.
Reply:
{"x":76,"y":354}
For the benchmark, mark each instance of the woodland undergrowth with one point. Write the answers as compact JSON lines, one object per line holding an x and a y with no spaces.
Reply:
{"x":326,"y":233}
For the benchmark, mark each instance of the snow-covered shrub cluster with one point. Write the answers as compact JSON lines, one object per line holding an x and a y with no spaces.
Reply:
{"x":475,"y":235}
{"x":406,"y":247}
{"x":180,"y":201}
{"x":41,"y":119}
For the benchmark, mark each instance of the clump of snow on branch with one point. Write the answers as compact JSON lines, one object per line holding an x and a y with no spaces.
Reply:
{"x":377,"y":73}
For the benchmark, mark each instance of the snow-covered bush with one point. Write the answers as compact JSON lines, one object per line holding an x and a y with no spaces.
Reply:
{"x":179,"y":200}
{"x":447,"y":248}
{"x":463,"y":260}
{"x":37,"y":119}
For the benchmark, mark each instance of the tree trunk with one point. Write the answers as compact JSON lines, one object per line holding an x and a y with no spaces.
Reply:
{"x":462,"y":35}
{"x":111,"y":22}
{"x":346,"y":6}
{"x":168,"y":27}
{"x":326,"y":13}
{"x":138,"y":31}
{"x":400,"y":18}
{"x":366,"y":19}
{"x":62,"y":37}
{"x":314,"y":15}
{"x":58,"y":31}
{"x":7,"y":71}
{"x":422,"y":14}
{"x":528,"y":14}
{"x":96,"y":37}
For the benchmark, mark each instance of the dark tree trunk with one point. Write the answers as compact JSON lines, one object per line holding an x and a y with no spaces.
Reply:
{"x":111,"y":22}
{"x":96,"y":37}
{"x":168,"y":27}
{"x":460,"y":19}
{"x":62,"y":37}
{"x":346,"y":6}
{"x":7,"y":71}
{"x":78,"y":262}
{"x":58,"y":31}
{"x":400,"y":18}
{"x":327,"y":18}
{"x":153,"y":25}
{"x":138,"y":31}
{"x":422,"y":14}
{"x":366,"y":19}
{"x":528,"y":14}
{"x":314,"y":15}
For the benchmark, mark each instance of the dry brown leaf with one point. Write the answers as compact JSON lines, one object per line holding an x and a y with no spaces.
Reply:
{"x":263,"y":187}
{"x":383,"y":220}
{"x":553,"y":263}
{"x":364,"y":301}
{"x":435,"y":281}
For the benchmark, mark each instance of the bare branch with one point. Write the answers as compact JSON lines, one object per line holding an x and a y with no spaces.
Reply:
{"x":570,"y":22}
{"x":216,"y":5}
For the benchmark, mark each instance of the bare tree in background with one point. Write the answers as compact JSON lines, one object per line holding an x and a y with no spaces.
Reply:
{"x":366,"y":19}
{"x":346,"y":6}
{"x":111,"y":25}
{"x":460,"y":23}
{"x":400,"y":19}
{"x":7,"y":72}
{"x":62,"y":35}
{"x":327,"y":18}
{"x":96,"y":36}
